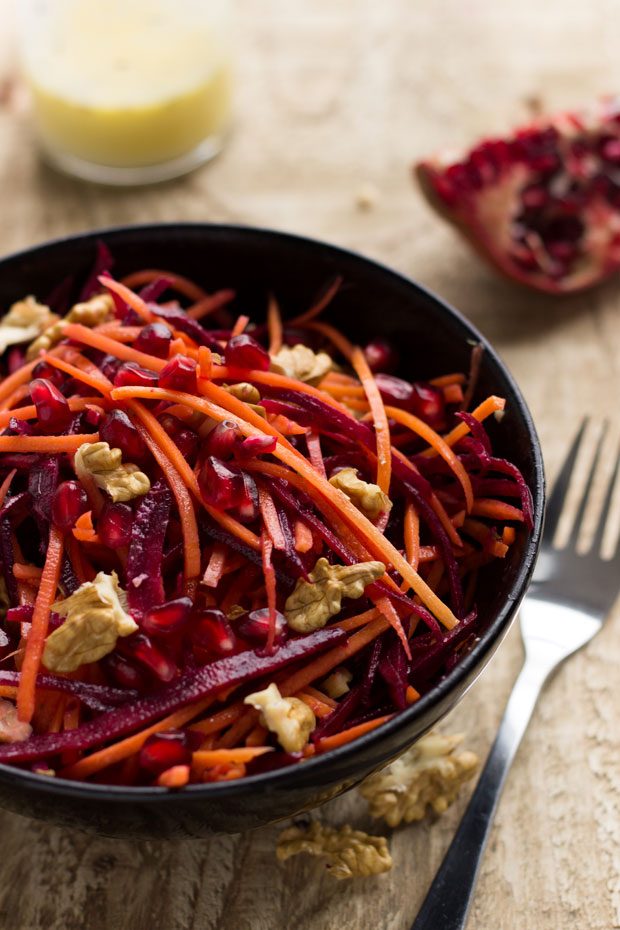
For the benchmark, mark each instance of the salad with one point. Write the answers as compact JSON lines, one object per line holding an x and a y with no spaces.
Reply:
{"x":227,"y":546}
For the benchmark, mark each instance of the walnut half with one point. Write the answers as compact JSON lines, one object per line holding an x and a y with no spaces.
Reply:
{"x":25,"y":320}
{"x":289,"y":718}
{"x":369,"y":498}
{"x":302,"y":363}
{"x":122,"y":481}
{"x":313,"y":602}
{"x":90,"y":313}
{"x":348,"y":853}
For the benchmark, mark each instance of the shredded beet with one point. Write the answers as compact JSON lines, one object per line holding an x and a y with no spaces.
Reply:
{"x":146,"y":584}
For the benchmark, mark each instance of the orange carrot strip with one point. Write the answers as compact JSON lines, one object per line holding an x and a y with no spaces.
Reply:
{"x":241,"y":410}
{"x":205,"y":362}
{"x":83,"y":568}
{"x":324,"y":698}
{"x":313,"y":441}
{"x":272,"y":379}
{"x":16,"y":397}
{"x":348,"y":391}
{"x":30,"y":412}
{"x":221,"y":719}
{"x":380,"y":420}
{"x":239,"y":730}
{"x":412,"y":535}
{"x":94,"y":339}
{"x":177,"y":282}
{"x":318,"y":708}
{"x":99,"y":383}
{"x":458,"y":519}
{"x":240,"y":325}
{"x":385,"y":606}
{"x":131,"y":744}
{"x":346,"y":736}
{"x":270,"y":517}
{"x":491,"y":405}
{"x":353,"y":623}
{"x":453,"y":394}
{"x":172,"y":453}
{"x":205,"y":758}
{"x":496,"y":510}
{"x":118,"y":332}
{"x":84,"y":529}
{"x":40,"y":620}
{"x":270,"y":588}
{"x":321,"y":303}
{"x":189,"y":525}
{"x":131,"y":299}
{"x":257,"y":736}
{"x":210,"y":304}
{"x":27,"y":572}
{"x":339,"y":341}
{"x":422,"y":429}
{"x":304,"y":540}
{"x":509,"y":535}
{"x":215,"y":566}
{"x":14,"y":381}
{"x":285,"y":426}
{"x":274,"y":325}
{"x":46,"y":444}
{"x":9,"y":691}
{"x":447,"y":380}
{"x":175,"y":777}
{"x":411,"y":695}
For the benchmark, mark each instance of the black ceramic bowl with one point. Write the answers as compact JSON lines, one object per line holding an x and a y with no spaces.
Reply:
{"x":432,"y":339}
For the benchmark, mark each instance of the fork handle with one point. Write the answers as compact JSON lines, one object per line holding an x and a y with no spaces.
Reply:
{"x":449,"y":899}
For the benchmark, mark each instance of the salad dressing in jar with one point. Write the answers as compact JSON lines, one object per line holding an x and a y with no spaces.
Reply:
{"x":127,"y":91}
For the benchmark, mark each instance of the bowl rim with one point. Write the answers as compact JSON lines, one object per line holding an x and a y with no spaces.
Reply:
{"x":87,"y":791}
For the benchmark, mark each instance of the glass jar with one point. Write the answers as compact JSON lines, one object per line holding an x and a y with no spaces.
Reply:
{"x":127,"y":91}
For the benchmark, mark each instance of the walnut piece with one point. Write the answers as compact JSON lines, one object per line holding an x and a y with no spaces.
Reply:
{"x":90,"y":312}
{"x":12,"y":730}
{"x":369,"y":498}
{"x":122,"y":480}
{"x":348,"y":853}
{"x":290,"y":719}
{"x":428,"y":774}
{"x":301,"y":363}
{"x":96,"y":616}
{"x":25,"y":320}
{"x":313,"y":602}
{"x":244,"y":391}
{"x":337,"y":684}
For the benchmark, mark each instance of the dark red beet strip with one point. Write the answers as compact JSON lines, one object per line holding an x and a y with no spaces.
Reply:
{"x":193,"y":686}
{"x":97,"y":697}
{"x":145,"y":586}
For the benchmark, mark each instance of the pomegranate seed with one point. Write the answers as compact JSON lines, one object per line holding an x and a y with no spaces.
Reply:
{"x":255,"y":626}
{"x":222,"y":484}
{"x":155,"y":340}
{"x":212,"y":631}
{"x":20,"y":427}
{"x":109,"y":366}
{"x":140,"y":648}
{"x":244,"y":352}
{"x":167,"y":618}
{"x":395,"y":391}
{"x":179,"y":375}
{"x":130,"y":374}
{"x":120,"y":433}
{"x":186,"y":439}
{"x":381,"y":355}
{"x":69,"y":503}
{"x":163,"y":750}
{"x":92,"y":417}
{"x":53,"y":410}
{"x":428,"y":404}
{"x":222,"y":441}
{"x":124,"y":672}
{"x":255,"y":445}
{"x":47,"y":371}
{"x":114,"y":525}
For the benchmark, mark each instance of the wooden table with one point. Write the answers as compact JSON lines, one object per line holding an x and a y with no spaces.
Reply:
{"x":333,"y":96}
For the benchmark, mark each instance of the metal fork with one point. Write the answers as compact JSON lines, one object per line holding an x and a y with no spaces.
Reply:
{"x":570,"y":596}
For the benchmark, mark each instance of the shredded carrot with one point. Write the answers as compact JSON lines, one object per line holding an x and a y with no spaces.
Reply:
{"x":131,"y":299}
{"x":318,"y":707}
{"x":84,"y":531}
{"x":270,"y":588}
{"x":323,"y":698}
{"x":9,"y":384}
{"x":412,"y":535}
{"x":411,"y":695}
{"x":240,"y":325}
{"x":215,"y":566}
{"x":27,"y":572}
{"x":274,"y":325}
{"x":346,"y":736}
{"x":379,"y":416}
{"x":335,"y":337}
{"x":453,"y":394}
{"x":509,"y":535}
{"x":82,"y":567}
{"x":239,"y":730}
{"x":304,"y":540}
{"x":96,"y":340}
{"x":40,"y":620}
{"x":271,"y":520}
{"x":385,"y":606}
{"x":29,"y":413}
{"x":203,"y":759}
{"x":210,"y":304}
{"x":446,"y":380}
{"x":46,"y":444}
{"x":496,"y":510}
{"x":205,"y":362}
{"x":485,"y":409}
{"x":99,"y":383}
{"x":177,"y":282}
{"x":353,"y":623}
{"x":175,"y":777}
{"x":16,"y":397}
{"x":285,"y":426}
{"x":119,"y":333}
{"x":257,"y":736}
{"x":320,"y":304}
{"x":313,"y":441}
{"x":221,"y":719}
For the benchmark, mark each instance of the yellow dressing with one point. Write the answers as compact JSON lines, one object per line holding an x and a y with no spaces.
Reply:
{"x":128,"y":82}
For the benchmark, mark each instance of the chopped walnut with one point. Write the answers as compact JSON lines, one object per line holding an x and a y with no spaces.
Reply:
{"x":244,"y":391}
{"x":90,"y":313}
{"x":313,"y":602}
{"x":12,"y":729}
{"x":369,"y":498}
{"x":96,"y":617}
{"x":290,"y":719}
{"x":122,"y":480}
{"x":348,"y":853}
{"x":428,"y":774}
{"x":302,"y":363}
{"x":337,"y":684}
{"x":25,"y":320}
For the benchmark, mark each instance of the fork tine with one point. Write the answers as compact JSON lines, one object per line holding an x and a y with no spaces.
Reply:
{"x":583,"y":503}
{"x":556,"y":499}
{"x":600,"y":530}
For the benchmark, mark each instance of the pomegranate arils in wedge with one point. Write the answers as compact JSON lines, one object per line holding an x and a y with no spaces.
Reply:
{"x":212,"y":631}
{"x":179,"y":375}
{"x":543,"y":204}
{"x":114,"y":525}
{"x":255,"y":627}
{"x":120,"y":433}
{"x":167,"y":618}
{"x":47,"y":371}
{"x":163,"y":750}
{"x":154,"y":339}
{"x":131,"y":374}
{"x":381,"y":355}
{"x":222,"y":441}
{"x":53,"y":410}
{"x":69,"y":503}
{"x":245,"y":352}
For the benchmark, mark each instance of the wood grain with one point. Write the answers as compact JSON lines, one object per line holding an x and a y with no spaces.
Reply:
{"x":334,"y":94}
